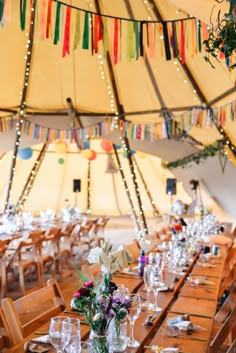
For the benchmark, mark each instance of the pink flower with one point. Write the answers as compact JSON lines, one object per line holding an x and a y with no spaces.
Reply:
{"x":77,"y":295}
{"x":88,"y":284}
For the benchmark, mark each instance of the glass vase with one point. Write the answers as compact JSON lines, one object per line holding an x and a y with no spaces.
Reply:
{"x":100,"y":343}
{"x":120,"y":336}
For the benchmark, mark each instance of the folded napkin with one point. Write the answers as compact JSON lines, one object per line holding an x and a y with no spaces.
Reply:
{"x":38,"y":345}
{"x":183,"y":323}
{"x":199,"y":280}
{"x":205,"y":264}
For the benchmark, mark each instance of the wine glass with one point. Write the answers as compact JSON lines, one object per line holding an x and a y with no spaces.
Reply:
{"x":71,"y":335}
{"x":55,"y":332}
{"x":146,"y":279}
{"x":133,"y":314}
{"x":156,"y":284}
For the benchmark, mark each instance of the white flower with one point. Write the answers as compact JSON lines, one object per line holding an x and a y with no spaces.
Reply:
{"x":97,"y":317}
{"x":94,"y":255}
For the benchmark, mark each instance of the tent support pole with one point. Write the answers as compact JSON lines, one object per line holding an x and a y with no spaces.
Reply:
{"x":155,"y":210}
{"x":19,"y":124}
{"x":89,"y":188}
{"x":31,"y":178}
{"x":122,"y":113}
{"x":134,"y":216}
{"x":136,"y":187}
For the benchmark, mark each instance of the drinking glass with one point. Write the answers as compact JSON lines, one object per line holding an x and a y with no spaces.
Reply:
{"x":85,"y":347}
{"x":134,"y":312}
{"x":146,"y":279}
{"x":156,"y":284}
{"x":71,"y":335}
{"x":55,"y":332}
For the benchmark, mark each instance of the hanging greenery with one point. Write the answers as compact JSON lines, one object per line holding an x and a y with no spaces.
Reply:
{"x":208,"y":151}
{"x":221,"y":42}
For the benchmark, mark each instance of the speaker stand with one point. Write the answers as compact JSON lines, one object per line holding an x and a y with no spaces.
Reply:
{"x":76,"y":199}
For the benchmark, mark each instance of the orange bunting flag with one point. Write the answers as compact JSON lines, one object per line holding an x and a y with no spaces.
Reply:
{"x":95,"y":32}
{"x":49,"y":18}
{"x":151,"y":40}
{"x":182,"y":42}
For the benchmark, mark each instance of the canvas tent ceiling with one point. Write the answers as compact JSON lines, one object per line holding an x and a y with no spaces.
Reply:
{"x":144,"y":87}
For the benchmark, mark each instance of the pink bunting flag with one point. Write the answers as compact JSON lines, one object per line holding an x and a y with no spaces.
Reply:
{"x":42,"y":19}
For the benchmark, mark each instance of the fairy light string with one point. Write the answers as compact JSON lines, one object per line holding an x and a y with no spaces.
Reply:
{"x":23,"y":94}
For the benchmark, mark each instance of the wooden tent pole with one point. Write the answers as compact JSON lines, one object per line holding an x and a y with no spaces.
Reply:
{"x":155,"y":210}
{"x":89,"y":187}
{"x":134,"y":216}
{"x":19,"y":124}
{"x":136,"y":187}
{"x":31,"y":178}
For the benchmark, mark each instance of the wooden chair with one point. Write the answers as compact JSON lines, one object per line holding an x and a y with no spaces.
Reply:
{"x":5,"y":336}
{"x":133,"y":250}
{"x":99,"y":228}
{"x":28,"y":261}
{"x":81,"y":239}
{"x":48,"y":254}
{"x":224,"y":323}
{"x":31,"y":311}
{"x":64,"y":252}
{"x":91,"y":271}
{"x":3,"y":268}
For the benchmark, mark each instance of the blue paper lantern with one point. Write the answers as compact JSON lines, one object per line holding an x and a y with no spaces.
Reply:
{"x":85,"y":145}
{"x":25,"y":153}
{"x":117,"y":147}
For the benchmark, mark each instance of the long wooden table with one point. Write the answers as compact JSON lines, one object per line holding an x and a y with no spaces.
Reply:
{"x":173,"y":303}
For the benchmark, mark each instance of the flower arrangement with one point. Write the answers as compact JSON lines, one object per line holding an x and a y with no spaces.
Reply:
{"x":97,"y":300}
{"x":221,"y":40}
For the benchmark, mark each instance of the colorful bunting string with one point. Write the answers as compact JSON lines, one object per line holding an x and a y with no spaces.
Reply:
{"x":198,"y":117}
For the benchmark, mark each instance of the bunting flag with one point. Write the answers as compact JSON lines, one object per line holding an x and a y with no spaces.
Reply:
{"x":198,"y":117}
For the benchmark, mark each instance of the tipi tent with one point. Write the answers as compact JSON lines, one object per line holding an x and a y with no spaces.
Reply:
{"x":80,"y":69}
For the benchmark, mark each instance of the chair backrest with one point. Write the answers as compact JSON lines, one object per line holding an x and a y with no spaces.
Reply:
{"x":232,"y":347}
{"x":90,"y":271}
{"x":5,"y":336}
{"x":3,"y":271}
{"x":133,"y":250}
{"x":227,"y":317}
{"x":31,"y":311}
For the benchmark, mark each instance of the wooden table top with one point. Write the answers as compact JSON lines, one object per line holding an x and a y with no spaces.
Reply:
{"x":204,"y":291}
{"x":196,"y":342}
{"x":194,"y":306}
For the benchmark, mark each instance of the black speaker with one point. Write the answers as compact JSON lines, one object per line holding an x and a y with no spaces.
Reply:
{"x":76,"y":185}
{"x":171,"y":186}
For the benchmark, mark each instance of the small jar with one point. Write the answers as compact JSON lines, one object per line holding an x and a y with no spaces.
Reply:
{"x":120,"y":336}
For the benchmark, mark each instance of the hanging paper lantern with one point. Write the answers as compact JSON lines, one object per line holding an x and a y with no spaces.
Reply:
{"x":25,"y":153}
{"x":60,"y":147}
{"x":61,"y":160}
{"x":93,"y":156}
{"x":87,"y":153}
{"x":107,"y":145}
{"x":118,"y":147}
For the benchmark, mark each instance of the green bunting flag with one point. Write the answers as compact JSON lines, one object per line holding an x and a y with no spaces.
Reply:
{"x":22,"y":14}
{"x":57,"y":24}
{"x":85,"y":44}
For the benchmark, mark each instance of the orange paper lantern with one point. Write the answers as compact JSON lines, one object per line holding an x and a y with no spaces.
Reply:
{"x":93,"y":156}
{"x":60,"y":147}
{"x":87,"y":153}
{"x":107,"y":145}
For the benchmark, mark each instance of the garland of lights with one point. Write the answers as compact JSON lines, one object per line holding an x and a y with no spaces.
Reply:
{"x":124,"y":181}
{"x":89,"y":188}
{"x":156,"y":212}
{"x":29,"y":182}
{"x":23,"y":94}
{"x":126,"y":148}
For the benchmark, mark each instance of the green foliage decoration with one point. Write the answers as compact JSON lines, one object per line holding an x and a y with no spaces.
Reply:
{"x":208,"y":151}
{"x":222,"y":36}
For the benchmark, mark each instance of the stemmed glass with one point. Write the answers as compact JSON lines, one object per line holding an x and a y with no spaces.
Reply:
{"x":71,"y":335}
{"x":134,"y":312}
{"x":156,"y":284}
{"x":146,"y":279}
{"x":55,"y":333}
